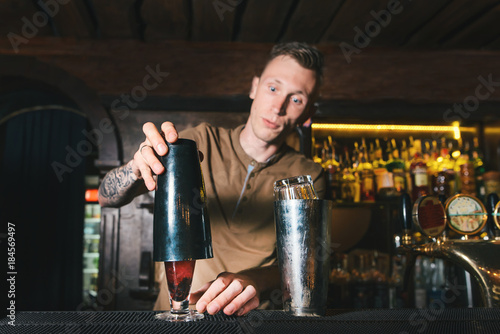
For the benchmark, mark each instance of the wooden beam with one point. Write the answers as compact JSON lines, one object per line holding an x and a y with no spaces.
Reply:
{"x":409,"y":18}
{"x":117,"y":18}
{"x":213,"y":20}
{"x":223,"y":69}
{"x":16,"y":16}
{"x":452,"y":18}
{"x":479,"y":33}
{"x":263,"y":20}
{"x":352,"y":13}
{"x":166,"y":19}
{"x":310,"y":19}
{"x":74,"y":20}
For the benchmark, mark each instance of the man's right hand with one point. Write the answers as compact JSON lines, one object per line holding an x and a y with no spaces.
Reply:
{"x":145,"y":163}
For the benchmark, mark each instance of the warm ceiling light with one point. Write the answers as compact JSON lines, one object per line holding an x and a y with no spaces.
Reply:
{"x":455,"y":128}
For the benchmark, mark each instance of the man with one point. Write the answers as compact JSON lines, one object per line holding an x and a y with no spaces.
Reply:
{"x":239,"y":166}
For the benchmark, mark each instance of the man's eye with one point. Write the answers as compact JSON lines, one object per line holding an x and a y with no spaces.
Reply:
{"x":272,"y":88}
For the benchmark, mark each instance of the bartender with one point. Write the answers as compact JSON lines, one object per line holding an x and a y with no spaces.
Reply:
{"x":239,"y":166}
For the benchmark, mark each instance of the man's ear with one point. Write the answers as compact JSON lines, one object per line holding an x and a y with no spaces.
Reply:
{"x":253,"y":90}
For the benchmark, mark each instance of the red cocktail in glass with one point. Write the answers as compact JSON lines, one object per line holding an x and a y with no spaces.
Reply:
{"x":179,"y":276}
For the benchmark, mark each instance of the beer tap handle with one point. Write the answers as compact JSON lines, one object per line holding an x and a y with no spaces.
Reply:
{"x":405,"y":213}
{"x":491,"y":203}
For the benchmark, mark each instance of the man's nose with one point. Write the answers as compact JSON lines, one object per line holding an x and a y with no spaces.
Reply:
{"x":280,"y":105}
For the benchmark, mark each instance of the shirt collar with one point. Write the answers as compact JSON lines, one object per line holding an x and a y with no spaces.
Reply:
{"x":245,"y":158}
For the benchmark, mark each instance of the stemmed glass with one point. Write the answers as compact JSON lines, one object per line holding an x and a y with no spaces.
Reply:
{"x":179,"y":275}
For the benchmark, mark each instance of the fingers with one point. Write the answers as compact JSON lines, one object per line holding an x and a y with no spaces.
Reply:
{"x":142,"y":163}
{"x":250,"y":305}
{"x":145,"y":158}
{"x":228,"y":293}
{"x":247,"y":296}
{"x":196,"y":295}
{"x":169,"y":131}
{"x":154,"y":138}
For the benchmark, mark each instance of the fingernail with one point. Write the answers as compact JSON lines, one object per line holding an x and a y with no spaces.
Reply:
{"x":171,"y":136}
{"x":229,"y":309}
{"x":201,"y":307}
{"x":158,"y":167}
{"x":162,"y":149}
{"x":212,"y":309}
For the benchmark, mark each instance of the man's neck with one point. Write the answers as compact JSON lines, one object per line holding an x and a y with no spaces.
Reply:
{"x":256,"y":148}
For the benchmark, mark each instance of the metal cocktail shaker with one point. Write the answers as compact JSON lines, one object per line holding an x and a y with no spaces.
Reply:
{"x":303,"y":240}
{"x":181,"y":226}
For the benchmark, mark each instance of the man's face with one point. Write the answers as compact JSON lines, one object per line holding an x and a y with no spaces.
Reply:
{"x":281,"y":99}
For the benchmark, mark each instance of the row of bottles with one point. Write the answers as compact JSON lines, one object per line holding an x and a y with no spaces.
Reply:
{"x":372,"y":282}
{"x":366,"y":280}
{"x":414,"y":166}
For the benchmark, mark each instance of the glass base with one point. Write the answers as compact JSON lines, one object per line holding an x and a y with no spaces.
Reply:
{"x":191,"y":315}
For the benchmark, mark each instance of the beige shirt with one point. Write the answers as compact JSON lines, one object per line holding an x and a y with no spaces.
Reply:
{"x":240,"y":204}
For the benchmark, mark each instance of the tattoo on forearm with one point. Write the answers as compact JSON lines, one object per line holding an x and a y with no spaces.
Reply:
{"x":119,"y":186}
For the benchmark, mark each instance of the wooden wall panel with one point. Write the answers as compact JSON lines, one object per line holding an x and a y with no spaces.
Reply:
{"x":222,"y":69}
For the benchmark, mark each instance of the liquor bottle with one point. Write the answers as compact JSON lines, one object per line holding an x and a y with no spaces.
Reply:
{"x":360,"y":289}
{"x":325,"y":154}
{"x":340,"y":278}
{"x":404,"y":151}
{"x":371,"y":153}
{"x":363,"y":150}
{"x":334,"y":174}
{"x":378,"y":161}
{"x":355,"y":156}
{"x":420,"y":291}
{"x":316,"y":151}
{"x":380,"y":284}
{"x":348,"y":183}
{"x":436,"y":281}
{"x":365,"y":170}
{"x":396,"y":166}
{"x":426,"y":153}
{"x":418,"y":172}
{"x":446,"y":164}
{"x":464,"y":168}
{"x":407,"y":160}
{"x":396,"y":291}
{"x":412,"y":148}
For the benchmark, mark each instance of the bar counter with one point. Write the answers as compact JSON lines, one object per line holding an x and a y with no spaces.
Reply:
{"x":476,"y":320}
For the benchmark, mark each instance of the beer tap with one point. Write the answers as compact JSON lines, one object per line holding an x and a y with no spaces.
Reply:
{"x":493,"y":208}
{"x":465,"y":215}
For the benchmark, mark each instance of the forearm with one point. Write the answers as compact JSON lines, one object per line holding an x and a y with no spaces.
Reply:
{"x":120,"y":186}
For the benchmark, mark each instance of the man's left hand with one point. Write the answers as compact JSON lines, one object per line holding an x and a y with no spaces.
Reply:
{"x":233,"y":293}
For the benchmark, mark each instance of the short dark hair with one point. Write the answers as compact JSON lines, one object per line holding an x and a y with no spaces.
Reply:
{"x":307,"y":56}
